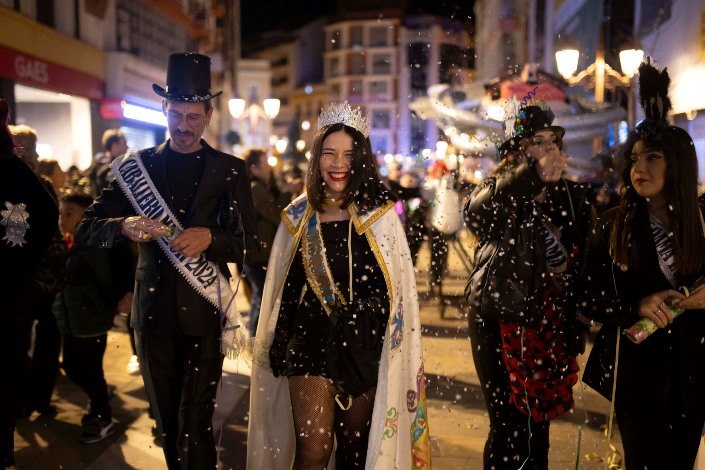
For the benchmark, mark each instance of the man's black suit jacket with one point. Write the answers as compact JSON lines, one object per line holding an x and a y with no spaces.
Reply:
{"x":164,"y":302}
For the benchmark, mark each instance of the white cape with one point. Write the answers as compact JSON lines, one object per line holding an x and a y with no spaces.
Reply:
{"x":399,"y":436}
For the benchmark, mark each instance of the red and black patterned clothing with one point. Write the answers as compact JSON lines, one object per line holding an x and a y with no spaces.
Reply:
{"x":543,"y":372}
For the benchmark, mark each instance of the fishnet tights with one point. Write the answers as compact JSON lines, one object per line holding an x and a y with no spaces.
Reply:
{"x":316,"y":415}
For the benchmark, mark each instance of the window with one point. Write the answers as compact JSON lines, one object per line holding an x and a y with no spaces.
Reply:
{"x":381,"y":64}
{"x":356,"y":36}
{"x":418,"y":133}
{"x":334,"y":67}
{"x":335,"y":91}
{"x":452,"y":60}
{"x":378,"y":36}
{"x":333,"y":40}
{"x":379,"y":144}
{"x":379,"y":90}
{"x":381,"y":119}
{"x":357,"y":64}
{"x":147,"y":34}
{"x":418,"y":60}
{"x":355,"y":91}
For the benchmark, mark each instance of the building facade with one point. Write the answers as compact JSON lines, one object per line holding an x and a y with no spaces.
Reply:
{"x":71,"y":70}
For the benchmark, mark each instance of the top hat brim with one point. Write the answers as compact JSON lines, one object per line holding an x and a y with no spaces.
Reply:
{"x":512,"y":145}
{"x":184,"y":95}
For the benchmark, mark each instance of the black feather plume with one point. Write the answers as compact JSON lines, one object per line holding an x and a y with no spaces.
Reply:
{"x":653,"y":91}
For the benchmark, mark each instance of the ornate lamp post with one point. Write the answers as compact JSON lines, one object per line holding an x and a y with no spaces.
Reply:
{"x":255,"y":112}
{"x":601,"y":76}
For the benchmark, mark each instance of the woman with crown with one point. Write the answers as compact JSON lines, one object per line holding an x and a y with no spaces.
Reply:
{"x":644,"y":257}
{"x":339,"y":243}
{"x":530,"y":226}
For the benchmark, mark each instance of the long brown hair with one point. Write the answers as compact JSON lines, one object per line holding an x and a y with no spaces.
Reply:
{"x":365,"y":187}
{"x":681,"y":193}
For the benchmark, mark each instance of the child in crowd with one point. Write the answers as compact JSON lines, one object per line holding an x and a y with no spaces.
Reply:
{"x":84,"y":311}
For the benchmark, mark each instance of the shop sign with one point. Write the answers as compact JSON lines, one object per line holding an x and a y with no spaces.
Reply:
{"x":111,"y":108}
{"x":32,"y":71}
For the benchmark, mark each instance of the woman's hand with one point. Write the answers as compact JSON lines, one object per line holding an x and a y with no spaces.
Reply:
{"x":696,"y":300}
{"x":550,"y":166}
{"x":657,"y":306}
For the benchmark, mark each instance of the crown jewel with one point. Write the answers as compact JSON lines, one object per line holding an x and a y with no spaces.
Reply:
{"x":343,"y":113}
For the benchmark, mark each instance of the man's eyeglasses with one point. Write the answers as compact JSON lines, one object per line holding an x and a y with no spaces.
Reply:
{"x":192,"y":118}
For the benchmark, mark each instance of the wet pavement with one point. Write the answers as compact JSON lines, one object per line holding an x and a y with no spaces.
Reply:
{"x":457,"y":417}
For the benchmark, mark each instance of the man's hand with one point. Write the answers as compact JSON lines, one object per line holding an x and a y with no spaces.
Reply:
{"x":193,"y":241}
{"x":125,"y":303}
{"x":141,"y":229}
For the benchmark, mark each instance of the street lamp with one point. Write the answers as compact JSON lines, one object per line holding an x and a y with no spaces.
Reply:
{"x":268,"y":111}
{"x":601,"y":76}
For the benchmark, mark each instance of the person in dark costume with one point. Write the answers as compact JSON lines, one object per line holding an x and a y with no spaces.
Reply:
{"x":644,"y":258}
{"x":189,"y":208}
{"x":530,"y":226}
{"x":28,"y":237}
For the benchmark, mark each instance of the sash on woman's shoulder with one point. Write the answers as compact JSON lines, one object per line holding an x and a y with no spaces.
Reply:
{"x":201,"y":274}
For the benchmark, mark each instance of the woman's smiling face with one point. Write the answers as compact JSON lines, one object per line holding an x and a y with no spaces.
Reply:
{"x":335,"y":163}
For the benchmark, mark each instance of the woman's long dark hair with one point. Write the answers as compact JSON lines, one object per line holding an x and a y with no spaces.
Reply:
{"x":681,"y":193}
{"x":7,"y":143}
{"x":365,"y":188}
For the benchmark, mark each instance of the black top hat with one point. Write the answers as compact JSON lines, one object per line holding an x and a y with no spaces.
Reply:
{"x":527,"y":122}
{"x":188,"y":78}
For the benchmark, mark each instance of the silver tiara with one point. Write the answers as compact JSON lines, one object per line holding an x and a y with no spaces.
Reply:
{"x":343,"y":113}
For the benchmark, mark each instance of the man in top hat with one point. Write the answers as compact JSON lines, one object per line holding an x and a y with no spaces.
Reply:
{"x":189,"y":208}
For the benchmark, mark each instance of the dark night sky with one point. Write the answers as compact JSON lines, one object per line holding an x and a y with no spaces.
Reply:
{"x":259,"y":16}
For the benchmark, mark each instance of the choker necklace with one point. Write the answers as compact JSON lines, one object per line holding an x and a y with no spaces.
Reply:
{"x":332,"y":202}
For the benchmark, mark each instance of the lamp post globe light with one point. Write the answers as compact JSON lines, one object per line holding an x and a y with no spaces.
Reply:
{"x":254,"y":112}
{"x":600,"y":75}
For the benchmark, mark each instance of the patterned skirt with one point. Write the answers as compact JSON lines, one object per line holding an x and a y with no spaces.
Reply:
{"x":542,"y":377}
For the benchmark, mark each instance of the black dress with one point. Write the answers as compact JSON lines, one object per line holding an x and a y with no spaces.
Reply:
{"x":306,"y":321}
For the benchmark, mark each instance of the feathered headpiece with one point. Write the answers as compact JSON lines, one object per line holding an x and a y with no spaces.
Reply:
{"x":653,"y":97}
{"x":343,"y":113}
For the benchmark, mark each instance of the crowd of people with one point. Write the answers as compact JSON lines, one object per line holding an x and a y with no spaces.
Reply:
{"x":328,"y":253}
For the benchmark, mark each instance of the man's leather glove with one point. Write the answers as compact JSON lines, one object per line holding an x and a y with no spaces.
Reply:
{"x":576,"y":333}
{"x":277,"y":356}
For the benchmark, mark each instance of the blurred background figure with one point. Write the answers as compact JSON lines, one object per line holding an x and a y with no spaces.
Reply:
{"x":444,"y":193}
{"x":50,"y":168}
{"x":409,"y":206}
{"x":26,"y":145}
{"x":99,"y":283}
{"x":268,"y":201}
{"x":114,"y":145}
{"x":74,"y":175}
{"x":293,"y":178}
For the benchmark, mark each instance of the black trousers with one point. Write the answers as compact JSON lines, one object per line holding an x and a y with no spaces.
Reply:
{"x":14,"y":341}
{"x":514,"y":437}
{"x":44,"y":365}
{"x":181,"y":375}
{"x":83,"y":364}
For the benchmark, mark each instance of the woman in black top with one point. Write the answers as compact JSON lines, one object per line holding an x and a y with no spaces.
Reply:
{"x":639,"y":257}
